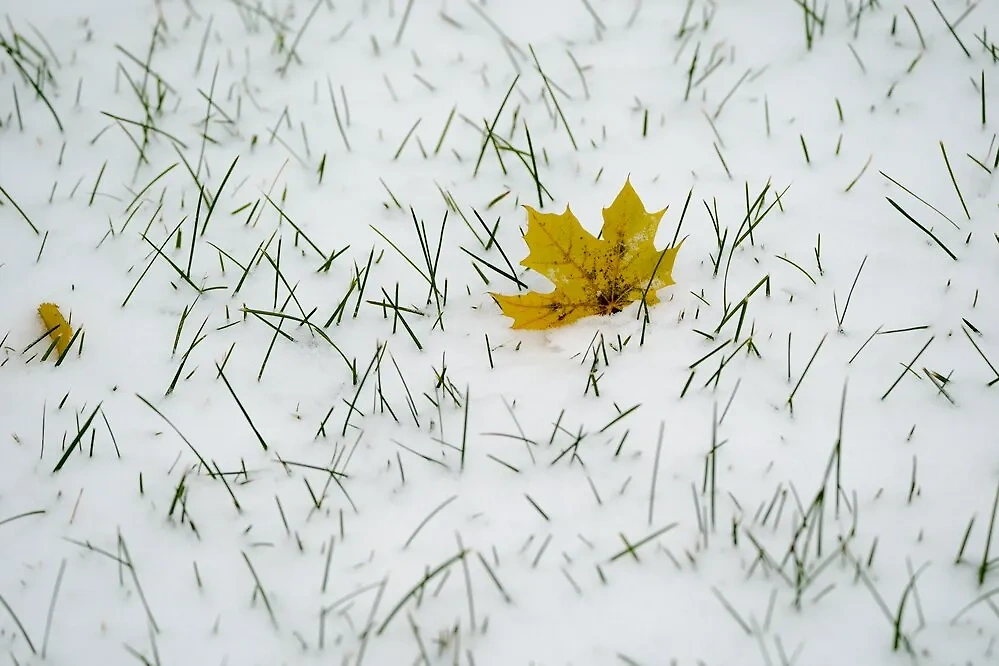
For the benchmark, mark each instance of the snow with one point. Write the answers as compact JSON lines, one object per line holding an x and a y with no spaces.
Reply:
{"x":572,"y":500}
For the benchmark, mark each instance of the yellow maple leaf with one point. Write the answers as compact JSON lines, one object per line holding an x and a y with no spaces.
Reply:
{"x":60,"y":330}
{"x":591,"y":275}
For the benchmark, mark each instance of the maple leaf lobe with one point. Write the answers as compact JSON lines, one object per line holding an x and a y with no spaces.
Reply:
{"x":591,"y":275}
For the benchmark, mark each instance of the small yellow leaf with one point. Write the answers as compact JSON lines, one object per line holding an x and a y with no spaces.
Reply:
{"x":591,"y":275}
{"x":59,"y":329}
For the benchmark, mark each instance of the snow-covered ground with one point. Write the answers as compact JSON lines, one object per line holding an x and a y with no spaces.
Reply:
{"x":295,"y":428}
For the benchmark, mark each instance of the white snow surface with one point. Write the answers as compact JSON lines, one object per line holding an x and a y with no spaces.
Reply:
{"x":481,"y":495}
